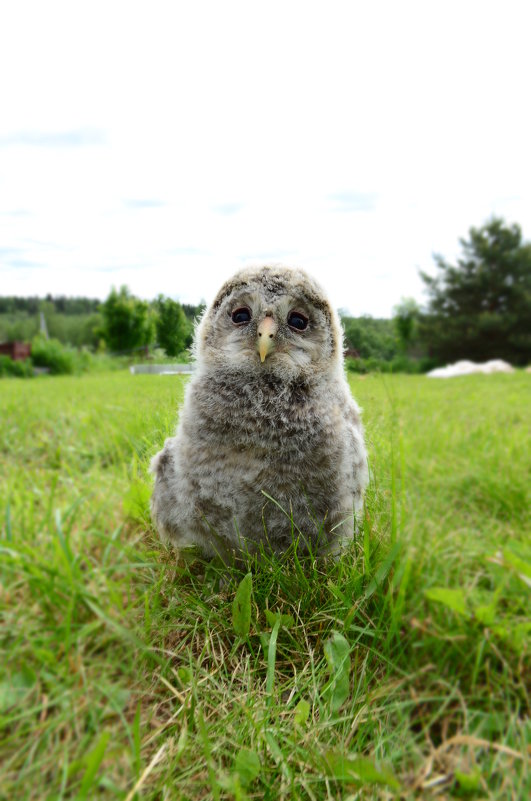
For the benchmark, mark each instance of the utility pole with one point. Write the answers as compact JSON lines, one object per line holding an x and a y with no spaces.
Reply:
{"x":43,"y":329}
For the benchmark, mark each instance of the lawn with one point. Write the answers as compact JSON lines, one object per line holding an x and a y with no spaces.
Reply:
{"x":402,"y":670}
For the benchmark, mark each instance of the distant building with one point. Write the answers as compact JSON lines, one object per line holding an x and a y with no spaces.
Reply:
{"x":16,"y":350}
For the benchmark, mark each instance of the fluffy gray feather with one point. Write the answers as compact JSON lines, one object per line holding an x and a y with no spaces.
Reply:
{"x":269,"y":442}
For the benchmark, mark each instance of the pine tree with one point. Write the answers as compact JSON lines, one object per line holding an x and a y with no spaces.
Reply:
{"x":480,"y":308}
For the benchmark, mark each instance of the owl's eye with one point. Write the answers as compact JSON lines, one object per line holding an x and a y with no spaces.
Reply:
{"x":241,"y":315}
{"x":297,"y":320}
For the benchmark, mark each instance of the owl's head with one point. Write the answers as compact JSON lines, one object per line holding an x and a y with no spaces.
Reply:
{"x":271,"y":319}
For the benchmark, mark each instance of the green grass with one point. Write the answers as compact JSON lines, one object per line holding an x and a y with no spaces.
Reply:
{"x":401,"y":670}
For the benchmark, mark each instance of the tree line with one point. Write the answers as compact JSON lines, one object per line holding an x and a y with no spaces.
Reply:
{"x":478,"y":308}
{"x":120,"y":324}
{"x":62,"y":304}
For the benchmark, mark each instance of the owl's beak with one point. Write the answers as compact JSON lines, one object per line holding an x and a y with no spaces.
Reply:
{"x":266,"y":332}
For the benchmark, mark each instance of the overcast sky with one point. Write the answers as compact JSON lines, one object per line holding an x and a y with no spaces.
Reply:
{"x":164,"y":145}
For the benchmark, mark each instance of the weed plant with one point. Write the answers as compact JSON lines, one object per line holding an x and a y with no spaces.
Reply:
{"x":400,"y":670}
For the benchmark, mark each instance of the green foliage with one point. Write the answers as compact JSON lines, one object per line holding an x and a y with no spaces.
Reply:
{"x":88,"y":362}
{"x":480,"y":308}
{"x":60,"y":359}
{"x":301,"y":713}
{"x":120,"y":672}
{"x":399,"y":364}
{"x":405,"y":318}
{"x":469,"y":782}
{"x":92,"y":762}
{"x":484,"y":607}
{"x":193,"y":312}
{"x":283,"y":620}
{"x":18,"y":326}
{"x":357,"y":771}
{"x":52,"y":354}
{"x":10,"y":304}
{"x":241,"y":607}
{"x":247,"y":766}
{"x":452,"y":599}
{"x":20,"y":369}
{"x":76,"y":330}
{"x":172,"y":327}
{"x":127,"y":323}
{"x":72,"y":321}
{"x":337,"y":653}
{"x":370,"y":337}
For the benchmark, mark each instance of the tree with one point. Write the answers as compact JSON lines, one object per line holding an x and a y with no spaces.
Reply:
{"x":171,"y":326}
{"x":480,"y":308}
{"x":127,"y":323}
{"x":370,"y":337}
{"x":406,"y":314}
{"x":193,"y":312}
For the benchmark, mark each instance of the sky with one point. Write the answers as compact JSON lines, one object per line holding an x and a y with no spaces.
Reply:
{"x":165,"y":145}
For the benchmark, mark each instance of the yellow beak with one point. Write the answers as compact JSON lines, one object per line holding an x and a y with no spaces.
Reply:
{"x":266,"y":332}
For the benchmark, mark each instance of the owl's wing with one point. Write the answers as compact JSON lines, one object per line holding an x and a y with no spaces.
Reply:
{"x":357,"y":467}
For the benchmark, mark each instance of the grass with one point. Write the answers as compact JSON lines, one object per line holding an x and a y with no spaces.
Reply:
{"x":402,"y":670}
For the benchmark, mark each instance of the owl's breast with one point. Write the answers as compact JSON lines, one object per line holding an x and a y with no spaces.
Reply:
{"x":266,"y":437}
{"x":266,"y":417}
{"x":250,"y":453}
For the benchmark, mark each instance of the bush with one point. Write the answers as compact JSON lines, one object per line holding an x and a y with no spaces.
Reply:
{"x":50,"y":353}
{"x":428,"y":363}
{"x":60,"y":360}
{"x":371,"y":338}
{"x":8,"y":367}
{"x":403,"y":364}
{"x":87,"y":362}
{"x":371,"y":365}
{"x":400,"y":364}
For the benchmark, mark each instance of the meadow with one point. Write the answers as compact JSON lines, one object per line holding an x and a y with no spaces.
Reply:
{"x":401,"y":670}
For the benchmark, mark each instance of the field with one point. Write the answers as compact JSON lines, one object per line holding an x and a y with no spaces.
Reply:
{"x":402,"y":670}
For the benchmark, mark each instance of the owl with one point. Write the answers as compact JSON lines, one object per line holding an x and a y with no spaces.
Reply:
{"x":269,"y":447}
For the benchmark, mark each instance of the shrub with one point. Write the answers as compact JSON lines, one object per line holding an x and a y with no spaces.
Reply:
{"x":50,"y":353}
{"x":8,"y":367}
{"x":403,"y":364}
{"x":371,"y":338}
{"x":87,"y":362}
{"x":400,"y":364}
{"x":371,"y":365}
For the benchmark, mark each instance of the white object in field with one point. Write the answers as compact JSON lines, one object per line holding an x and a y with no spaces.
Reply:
{"x":160,"y":369}
{"x":466,"y":367}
